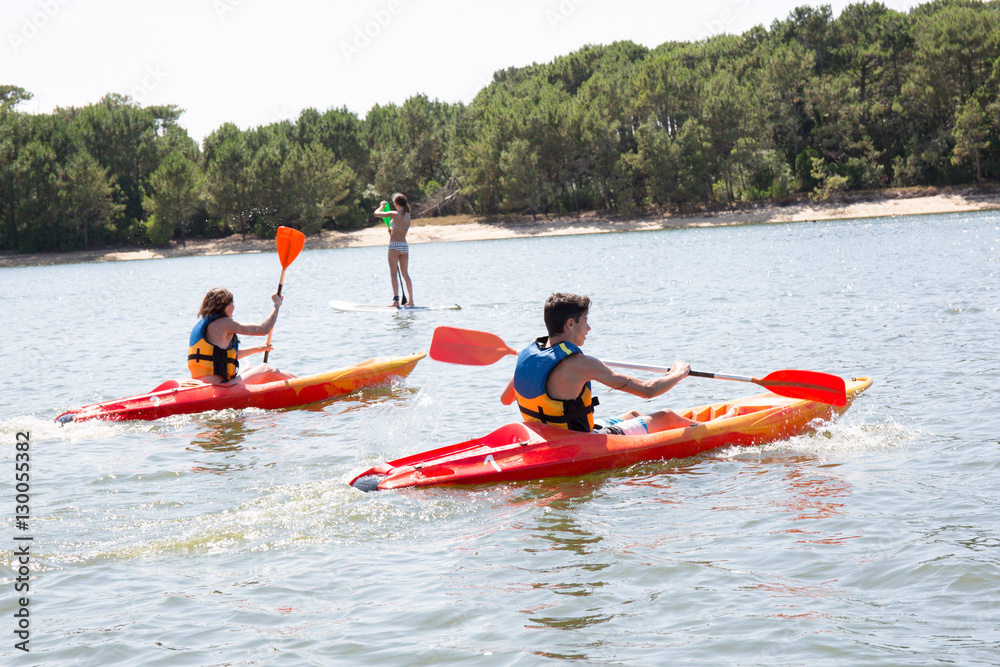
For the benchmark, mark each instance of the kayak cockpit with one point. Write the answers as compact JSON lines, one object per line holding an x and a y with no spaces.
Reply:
{"x":729,"y":410}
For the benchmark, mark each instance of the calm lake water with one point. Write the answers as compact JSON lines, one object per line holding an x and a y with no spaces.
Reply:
{"x":233,"y":537}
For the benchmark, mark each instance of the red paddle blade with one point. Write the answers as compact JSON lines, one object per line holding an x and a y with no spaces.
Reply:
{"x":290,"y":242}
{"x":810,"y":385}
{"x":467,"y":347}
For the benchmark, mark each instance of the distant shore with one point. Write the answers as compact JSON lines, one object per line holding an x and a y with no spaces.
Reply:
{"x":476,"y":228}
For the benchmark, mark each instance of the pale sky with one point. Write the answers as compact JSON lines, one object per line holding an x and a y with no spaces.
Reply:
{"x":254,"y":62}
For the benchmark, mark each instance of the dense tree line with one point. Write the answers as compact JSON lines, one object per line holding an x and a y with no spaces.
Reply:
{"x":814,"y":104}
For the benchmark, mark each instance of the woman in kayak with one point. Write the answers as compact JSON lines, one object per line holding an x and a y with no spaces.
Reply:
{"x":214,"y":349}
{"x":552,"y":378}
{"x":399,"y":249}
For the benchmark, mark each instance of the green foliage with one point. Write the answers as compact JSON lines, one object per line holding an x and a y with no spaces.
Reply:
{"x":314,"y":186}
{"x":804,"y":169}
{"x":178,"y":190}
{"x":815,"y":103}
{"x":761,"y":173}
{"x":429,"y":188}
{"x":827,"y":182}
{"x":519,"y":177}
{"x":407,"y":144}
{"x":227,"y":166}
{"x":11,"y":96}
{"x":86,"y":200}
{"x":973,"y":127}
{"x":342,"y":132}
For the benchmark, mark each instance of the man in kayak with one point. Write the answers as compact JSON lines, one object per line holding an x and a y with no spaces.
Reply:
{"x":214,"y":348}
{"x":552,"y":378}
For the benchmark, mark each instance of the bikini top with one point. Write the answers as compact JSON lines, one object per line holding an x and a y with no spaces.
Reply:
{"x":406,"y":219}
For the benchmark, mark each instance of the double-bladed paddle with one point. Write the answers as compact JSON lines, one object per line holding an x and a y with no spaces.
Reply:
{"x":290,"y":242}
{"x":479,"y":348}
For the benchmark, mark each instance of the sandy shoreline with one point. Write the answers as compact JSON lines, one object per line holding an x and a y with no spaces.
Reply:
{"x":467,"y":228}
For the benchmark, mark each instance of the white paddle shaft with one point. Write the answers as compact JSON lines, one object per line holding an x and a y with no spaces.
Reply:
{"x":664,"y":369}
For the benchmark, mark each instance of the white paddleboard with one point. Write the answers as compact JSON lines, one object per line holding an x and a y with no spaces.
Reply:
{"x":346,"y":306}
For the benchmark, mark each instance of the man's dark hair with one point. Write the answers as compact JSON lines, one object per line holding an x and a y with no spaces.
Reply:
{"x":562,"y":306}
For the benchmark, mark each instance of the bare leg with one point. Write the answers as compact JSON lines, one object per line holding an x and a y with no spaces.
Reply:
{"x":262,"y":373}
{"x":404,"y":261}
{"x":207,"y":379}
{"x":666,"y":419}
{"x":393,"y":264}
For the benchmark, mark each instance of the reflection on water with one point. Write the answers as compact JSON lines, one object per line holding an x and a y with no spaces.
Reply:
{"x":571,"y":623}
{"x":564,"y":532}
{"x":364,"y":399}
{"x":855,"y":537}
{"x":560,"y":532}
{"x":222,"y":435}
{"x":813,"y":495}
{"x":558,"y":494}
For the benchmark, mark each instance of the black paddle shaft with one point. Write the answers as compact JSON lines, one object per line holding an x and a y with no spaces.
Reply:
{"x":280,"y":284}
{"x":401,"y":288}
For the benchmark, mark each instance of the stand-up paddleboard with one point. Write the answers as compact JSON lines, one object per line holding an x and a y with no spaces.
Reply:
{"x":348,"y":307}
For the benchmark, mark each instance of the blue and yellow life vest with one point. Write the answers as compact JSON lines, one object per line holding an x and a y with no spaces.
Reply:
{"x":204,"y":358}
{"x":534,"y":364}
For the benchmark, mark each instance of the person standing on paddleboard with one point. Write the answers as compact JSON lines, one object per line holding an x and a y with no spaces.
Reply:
{"x":552,"y":378}
{"x":399,"y":249}
{"x":214,"y":348}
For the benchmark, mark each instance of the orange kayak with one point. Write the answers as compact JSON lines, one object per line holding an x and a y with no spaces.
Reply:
{"x":528,"y":451}
{"x":173,"y":398}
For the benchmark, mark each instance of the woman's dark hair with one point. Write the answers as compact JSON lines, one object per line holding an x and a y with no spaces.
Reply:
{"x":215,"y":302}
{"x":400,"y":199}
{"x":561,"y":307}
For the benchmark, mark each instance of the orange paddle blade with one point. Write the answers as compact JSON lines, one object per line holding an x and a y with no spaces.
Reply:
{"x":810,"y":385}
{"x":509,"y":395}
{"x":290,"y":242}
{"x":468,"y":347}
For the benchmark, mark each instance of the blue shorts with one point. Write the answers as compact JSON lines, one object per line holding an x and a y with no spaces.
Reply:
{"x":615,"y":426}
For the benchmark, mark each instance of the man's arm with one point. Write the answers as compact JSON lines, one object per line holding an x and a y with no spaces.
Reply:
{"x":574,"y":372}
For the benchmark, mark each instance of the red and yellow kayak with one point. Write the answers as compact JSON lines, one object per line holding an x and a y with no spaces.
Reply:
{"x":523,"y":451}
{"x":173,"y":398}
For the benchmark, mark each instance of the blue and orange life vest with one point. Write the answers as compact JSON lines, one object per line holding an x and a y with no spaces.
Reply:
{"x":204,"y":358}
{"x":534,"y":364}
